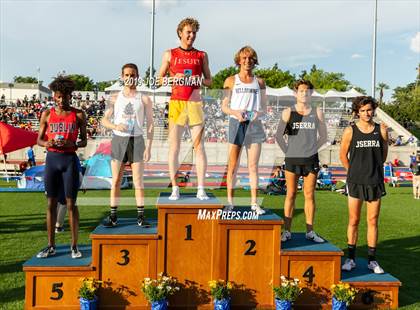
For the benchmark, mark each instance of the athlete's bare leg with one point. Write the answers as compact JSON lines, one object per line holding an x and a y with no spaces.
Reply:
{"x":355,"y":206}
{"x":253,"y":154}
{"x":234,"y":152}
{"x":309,"y":183}
{"x":289,"y":202}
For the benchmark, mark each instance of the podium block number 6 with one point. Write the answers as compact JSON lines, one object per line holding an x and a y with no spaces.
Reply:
{"x":56,"y":289}
{"x":125,"y":258}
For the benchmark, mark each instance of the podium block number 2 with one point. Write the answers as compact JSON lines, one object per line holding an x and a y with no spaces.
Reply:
{"x":250,"y":250}
{"x":125,"y":258}
{"x":57,"y":292}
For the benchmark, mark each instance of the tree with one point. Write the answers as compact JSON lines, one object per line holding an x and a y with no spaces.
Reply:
{"x":275,"y":77}
{"x":323,"y":80}
{"x":83,"y":82}
{"x":360,"y":90}
{"x":380,"y":88}
{"x":25,"y":79}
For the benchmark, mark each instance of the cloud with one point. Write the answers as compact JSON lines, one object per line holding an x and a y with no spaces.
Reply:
{"x":415,"y":43}
{"x":356,"y":56}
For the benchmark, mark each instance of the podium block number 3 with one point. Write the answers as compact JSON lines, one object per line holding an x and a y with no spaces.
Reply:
{"x":124,"y":257}
{"x":250,"y":250}
{"x":56,"y":290}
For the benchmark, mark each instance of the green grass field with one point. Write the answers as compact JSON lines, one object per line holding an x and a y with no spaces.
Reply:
{"x":23,"y":233}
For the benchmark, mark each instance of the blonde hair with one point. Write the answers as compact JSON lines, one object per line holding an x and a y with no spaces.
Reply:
{"x":246,"y":49}
{"x":189,"y":21}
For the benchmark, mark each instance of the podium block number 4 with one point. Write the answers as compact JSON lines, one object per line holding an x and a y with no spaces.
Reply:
{"x":309,"y":274}
{"x":57,"y":292}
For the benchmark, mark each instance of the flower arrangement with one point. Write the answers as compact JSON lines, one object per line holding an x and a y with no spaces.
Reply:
{"x":343,"y":292}
{"x":159,"y":289}
{"x":220,"y":289}
{"x":89,"y":288}
{"x":289,"y":290}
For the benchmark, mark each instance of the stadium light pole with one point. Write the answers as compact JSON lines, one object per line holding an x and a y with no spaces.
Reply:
{"x":375,"y":22}
{"x":152,"y":50}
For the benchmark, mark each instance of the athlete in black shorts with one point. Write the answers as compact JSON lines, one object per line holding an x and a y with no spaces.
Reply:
{"x":60,"y":128}
{"x":306,"y":133}
{"x":364,"y":148}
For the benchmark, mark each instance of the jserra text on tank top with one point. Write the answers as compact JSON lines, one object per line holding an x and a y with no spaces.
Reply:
{"x":366,"y":157}
{"x":302,"y":133}
{"x":130,"y":112}
{"x":188,"y":63}
{"x":245,"y":96}
{"x":62,"y":127}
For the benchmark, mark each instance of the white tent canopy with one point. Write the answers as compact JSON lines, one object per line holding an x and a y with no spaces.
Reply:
{"x":352,"y":93}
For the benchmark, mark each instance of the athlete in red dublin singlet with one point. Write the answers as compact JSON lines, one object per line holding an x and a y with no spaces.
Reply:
{"x":59,"y":130}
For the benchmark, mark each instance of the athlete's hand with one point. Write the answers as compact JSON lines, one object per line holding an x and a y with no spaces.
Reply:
{"x":239,"y":114}
{"x":121,"y":127}
{"x":59,"y":143}
{"x":384,"y":126}
{"x":49,"y":143}
{"x":147,"y":154}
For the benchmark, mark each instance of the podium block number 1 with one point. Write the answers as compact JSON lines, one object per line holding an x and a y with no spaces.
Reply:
{"x":188,"y":232}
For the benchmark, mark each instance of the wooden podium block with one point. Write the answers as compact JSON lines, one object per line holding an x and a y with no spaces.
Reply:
{"x":248,"y":255}
{"x":54,"y":282}
{"x":188,"y":246}
{"x":316,"y":265}
{"x":124,"y":255}
{"x":375,"y":290}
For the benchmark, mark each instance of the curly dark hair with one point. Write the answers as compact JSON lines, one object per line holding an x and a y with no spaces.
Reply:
{"x":360,"y":101}
{"x":303,"y":82}
{"x":63,"y":84}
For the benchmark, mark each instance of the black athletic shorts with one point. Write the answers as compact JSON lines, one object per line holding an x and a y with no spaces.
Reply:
{"x":302,"y":170}
{"x":245,"y":133}
{"x":127,"y":149}
{"x":366,"y":192}
{"x":61,"y":171}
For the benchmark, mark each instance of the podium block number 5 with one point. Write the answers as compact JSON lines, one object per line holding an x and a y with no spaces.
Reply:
{"x":125,"y":258}
{"x":56,"y":290}
{"x":250,"y":250}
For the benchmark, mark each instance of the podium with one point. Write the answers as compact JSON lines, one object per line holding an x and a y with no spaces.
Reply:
{"x":196,"y":241}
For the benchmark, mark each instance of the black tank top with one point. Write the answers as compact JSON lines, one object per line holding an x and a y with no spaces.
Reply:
{"x":302,"y":133}
{"x":366,"y":157}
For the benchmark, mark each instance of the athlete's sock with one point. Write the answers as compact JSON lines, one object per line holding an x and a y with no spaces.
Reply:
{"x":140,"y":211}
{"x":352,"y":251}
{"x":113,"y":213}
{"x":371,"y":254}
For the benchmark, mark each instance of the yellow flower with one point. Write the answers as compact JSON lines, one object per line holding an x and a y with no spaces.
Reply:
{"x":229,"y":285}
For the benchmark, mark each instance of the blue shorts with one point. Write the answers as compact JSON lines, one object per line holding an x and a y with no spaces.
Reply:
{"x":245,"y":133}
{"x":61,"y":171}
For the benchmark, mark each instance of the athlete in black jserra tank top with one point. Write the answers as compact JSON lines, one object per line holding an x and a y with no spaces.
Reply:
{"x":306,"y":133}
{"x":364,"y":148}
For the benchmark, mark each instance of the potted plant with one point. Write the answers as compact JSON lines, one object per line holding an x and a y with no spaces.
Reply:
{"x":343,"y":294}
{"x":220,"y":291}
{"x":158,"y":290}
{"x":87,"y":294}
{"x":286,"y":293}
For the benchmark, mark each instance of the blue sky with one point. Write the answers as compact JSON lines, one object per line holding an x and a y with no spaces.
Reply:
{"x":96,"y":37}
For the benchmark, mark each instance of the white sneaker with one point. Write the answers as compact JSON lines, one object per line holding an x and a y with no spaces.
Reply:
{"x":75,"y":253}
{"x":229,"y":207}
{"x":175,"y":193}
{"x":314,"y":237}
{"x":286,"y":235}
{"x":348,"y":265}
{"x":255,"y":207}
{"x":201,"y":194}
{"x":374,"y":266}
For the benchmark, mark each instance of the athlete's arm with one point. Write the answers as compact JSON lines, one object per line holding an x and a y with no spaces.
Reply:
{"x":385,"y":138}
{"x":43,"y":123}
{"x":81,"y":122}
{"x":206,"y":71}
{"x":148,"y":105}
{"x":285,"y":117}
{"x":227,"y":95}
{"x":106,"y":119}
{"x":322,"y":128}
{"x":164,"y":67}
{"x":345,"y":146}
{"x":263,"y":110}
